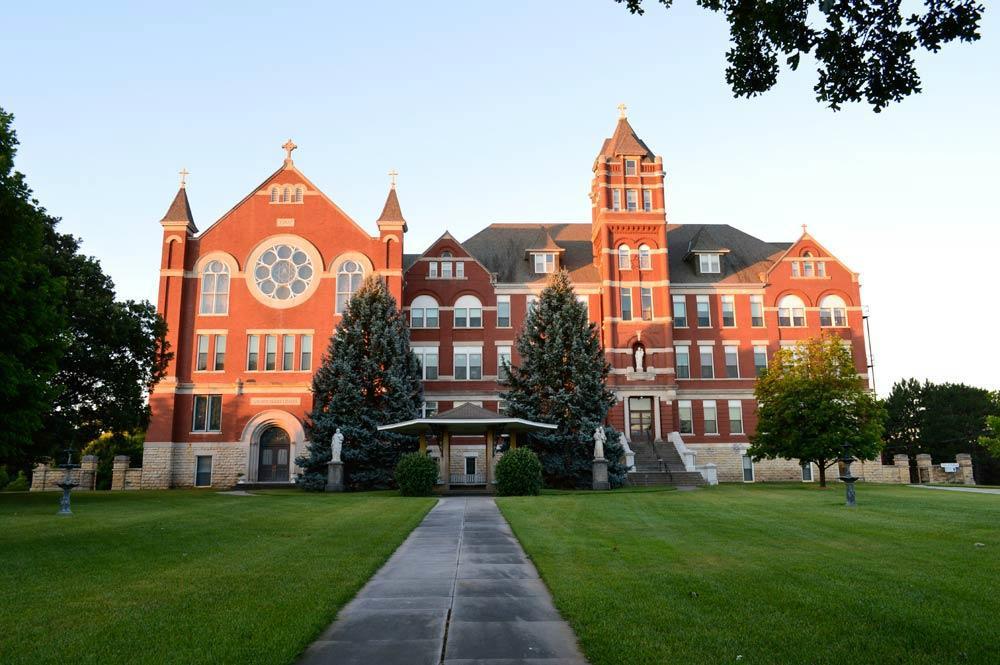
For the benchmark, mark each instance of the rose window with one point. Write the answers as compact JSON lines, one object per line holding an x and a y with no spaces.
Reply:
{"x":283,"y":272}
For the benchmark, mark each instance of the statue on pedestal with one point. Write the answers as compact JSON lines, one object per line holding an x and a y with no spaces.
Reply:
{"x":599,"y":440}
{"x":336,"y":445}
{"x":640,"y":354}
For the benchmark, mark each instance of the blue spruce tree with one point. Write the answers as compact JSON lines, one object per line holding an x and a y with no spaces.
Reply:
{"x":562,"y":380}
{"x":368,"y":378}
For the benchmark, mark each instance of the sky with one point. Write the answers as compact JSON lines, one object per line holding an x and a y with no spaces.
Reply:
{"x":494,"y":112}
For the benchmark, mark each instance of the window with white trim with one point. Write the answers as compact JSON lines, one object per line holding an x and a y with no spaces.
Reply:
{"x":468,"y":312}
{"x":791,"y":312}
{"x":207,"y":415}
{"x":625,"y":293}
{"x":201,"y":359}
{"x":215,"y":288}
{"x":253,"y":353}
{"x":728,"y":311}
{"x":503,"y":359}
{"x":685,"y":417}
{"x":821,"y":268}
{"x":424,"y":312}
{"x":647,"y":200}
{"x":545,"y":262}
{"x":704,"y":312}
{"x":732,"y":355}
{"x":503,"y":311}
{"x":706,"y":359}
{"x":629,"y":167}
{"x":427,"y":356}
{"x":585,"y":301}
{"x":305,"y":352}
{"x":270,"y":352}
{"x":288,"y":353}
{"x":468,"y":363}
{"x":710,"y":415}
{"x":757,"y":311}
{"x":530,"y":302}
{"x":624,"y":257}
{"x":759,"y":359}
{"x":682,"y":359}
{"x":219,"y":354}
{"x":680,"y":312}
{"x":616,"y":199}
{"x":645,"y":258}
{"x":631,"y":200}
{"x":429,"y":409}
{"x":795,"y":268}
{"x":459,"y":269}
{"x":709,"y":264}
{"x":735,"y":416}
{"x":807,"y":472}
{"x":646,"y":303}
{"x":446,"y":269}
{"x":432,"y":269}
{"x":832,"y":312}
{"x":747,"y":469}
{"x":349,"y":277}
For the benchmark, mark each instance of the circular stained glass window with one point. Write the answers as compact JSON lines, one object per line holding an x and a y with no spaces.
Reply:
{"x":283,"y":272}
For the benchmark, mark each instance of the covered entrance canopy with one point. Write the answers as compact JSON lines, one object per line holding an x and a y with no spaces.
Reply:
{"x":465,"y":420}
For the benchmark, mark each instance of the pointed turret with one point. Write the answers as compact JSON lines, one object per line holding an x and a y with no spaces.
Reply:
{"x":179,"y":212}
{"x":392,"y":214}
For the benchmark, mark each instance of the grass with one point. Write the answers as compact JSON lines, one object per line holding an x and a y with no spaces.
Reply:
{"x":186,"y":576}
{"x":771,"y":574}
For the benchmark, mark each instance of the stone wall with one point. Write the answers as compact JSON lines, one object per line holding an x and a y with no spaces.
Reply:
{"x":166,"y":465}
{"x":123,"y":477}
{"x":45,"y":478}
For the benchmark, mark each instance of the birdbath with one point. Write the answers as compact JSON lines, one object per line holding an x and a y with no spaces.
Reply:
{"x":67,"y":484}
{"x":847,"y":478}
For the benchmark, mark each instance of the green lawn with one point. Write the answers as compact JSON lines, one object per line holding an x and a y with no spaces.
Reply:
{"x":771,"y":574}
{"x":186,"y":576}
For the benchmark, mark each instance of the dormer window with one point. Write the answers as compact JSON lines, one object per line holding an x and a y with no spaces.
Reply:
{"x":545,"y":262}
{"x":629,"y":167}
{"x":709,"y":264}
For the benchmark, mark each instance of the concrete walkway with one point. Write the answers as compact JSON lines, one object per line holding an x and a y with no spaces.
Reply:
{"x":458,"y":591}
{"x":974,"y":490}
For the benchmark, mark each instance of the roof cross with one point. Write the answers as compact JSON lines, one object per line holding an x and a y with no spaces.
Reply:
{"x":621,"y":110}
{"x":288,"y":147}
{"x":183,"y":173}
{"x":392,"y":178}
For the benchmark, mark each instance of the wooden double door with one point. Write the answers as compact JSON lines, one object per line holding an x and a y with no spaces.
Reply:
{"x":275,"y":453}
{"x":640,"y":419}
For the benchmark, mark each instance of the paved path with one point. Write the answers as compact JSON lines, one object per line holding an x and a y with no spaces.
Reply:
{"x":458,"y":591}
{"x":975,"y":490}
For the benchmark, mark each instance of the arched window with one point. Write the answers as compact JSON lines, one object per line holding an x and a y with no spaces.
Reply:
{"x":468,"y":312}
{"x":286,"y":195}
{"x":349,"y":275}
{"x":832,"y":312}
{"x":298,"y":195}
{"x":446,"y":254}
{"x":274,"y":195}
{"x":215,"y":288}
{"x":424,"y":312}
{"x":791,"y":312}
{"x":624,"y":257}
{"x":645,"y":258}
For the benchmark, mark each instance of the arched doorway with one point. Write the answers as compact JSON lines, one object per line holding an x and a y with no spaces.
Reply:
{"x":275,"y":451}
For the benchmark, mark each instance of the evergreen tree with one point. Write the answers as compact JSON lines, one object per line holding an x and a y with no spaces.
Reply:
{"x":368,"y":377}
{"x":561,"y":380}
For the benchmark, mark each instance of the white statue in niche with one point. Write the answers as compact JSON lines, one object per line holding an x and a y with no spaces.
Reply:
{"x":599,"y":439}
{"x":640,"y":355}
{"x":336,"y":445}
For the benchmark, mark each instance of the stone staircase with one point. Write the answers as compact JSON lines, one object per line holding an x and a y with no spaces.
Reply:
{"x":659,"y":464}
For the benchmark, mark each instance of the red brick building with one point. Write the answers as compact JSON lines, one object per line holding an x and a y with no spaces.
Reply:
{"x":686,"y":313}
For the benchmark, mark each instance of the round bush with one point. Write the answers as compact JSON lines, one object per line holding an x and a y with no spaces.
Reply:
{"x":19,"y":484}
{"x":519,"y":473}
{"x":416,"y":474}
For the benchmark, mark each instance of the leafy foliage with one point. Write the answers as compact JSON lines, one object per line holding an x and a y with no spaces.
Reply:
{"x":812,"y":404}
{"x":4,"y":478}
{"x":561,"y":380}
{"x":416,"y":474}
{"x":368,"y":378}
{"x":864,"y":49}
{"x":108,"y":446}
{"x":990,"y":441}
{"x":519,"y":473}
{"x":905,"y":416}
{"x":19,"y":484}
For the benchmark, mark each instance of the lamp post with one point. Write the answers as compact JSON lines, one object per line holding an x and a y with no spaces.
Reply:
{"x":847,"y":478}
{"x":67,"y":484}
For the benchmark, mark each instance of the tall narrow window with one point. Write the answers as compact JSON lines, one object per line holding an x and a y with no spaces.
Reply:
{"x":446,"y":269}
{"x":711,"y":416}
{"x":729,"y":311}
{"x":286,"y":195}
{"x":585,"y":301}
{"x":646,"y":302}
{"x":732,"y":354}
{"x":201,"y":361}
{"x":530,"y":302}
{"x":791,"y":312}
{"x":747,"y":469}
{"x":298,"y":195}
{"x":349,"y":276}
{"x":305,"y":352}
{"x":432,"y":269}
{"x":680,"y":312}
{"x":270,"y":352}
{"x":807,"y":472}
{"x":645,"y":258}
{"x":459,"y":269}
{"x":287,"y":352}
{"x":631,"y":200}
{"x":253,"y":353}
{"x":795,"y":268}
{"x":704,"y":312}
{"x":616,"y":199}
{"x":624,"y":257}
{"x":759,"y":359}
{"x":629,"y":167}
{"x":626,"y":299}
{"x":832,"y":312}
{"x":207,"y":415}
{"x":647,"y":200}
{"x":757,"y":311}
{"x":219,"y":358}
{"x":706,"y":359}
{"x":215,"y":288}
{"x":503,"y":311}
{"x":203,"y":471}
{"x":685,"y":416}
{"x":735,"y":416}
{"x":503,"y":362}
{"x":682,"y":357}
{"x":274,"y":195}
{"x":821,"y":268}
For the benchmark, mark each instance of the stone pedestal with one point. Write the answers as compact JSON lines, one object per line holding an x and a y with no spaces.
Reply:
{"x":335,"y":477}
{"x":601,"y":475}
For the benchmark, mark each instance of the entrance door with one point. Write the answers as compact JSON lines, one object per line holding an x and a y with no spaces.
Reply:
{"x":640,"y":419}
{"x":274,"y":452}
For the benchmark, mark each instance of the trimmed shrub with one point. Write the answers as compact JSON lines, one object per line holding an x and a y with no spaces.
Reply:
{"x":19,"y":484}
{"x":416,"y":474}
{"x":312,"y":482}
{"x":519,"y":473}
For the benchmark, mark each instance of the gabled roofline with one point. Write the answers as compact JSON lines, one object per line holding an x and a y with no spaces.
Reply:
{"x":447,"y":234}
{"x":808,"y":236}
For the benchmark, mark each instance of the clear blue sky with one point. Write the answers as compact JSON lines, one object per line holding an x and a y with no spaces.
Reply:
{"x":494,"y":112}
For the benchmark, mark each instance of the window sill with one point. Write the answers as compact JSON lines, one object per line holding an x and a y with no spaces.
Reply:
{"x":208,"y":431}
{"x":214,"y":315}
{"x":843,"y":327}
{"x":425,"y":328}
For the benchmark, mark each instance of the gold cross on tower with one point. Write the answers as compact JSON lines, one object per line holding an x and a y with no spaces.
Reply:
{"x":183,"y":173}
{"x":621,"y":110}
{"x":392,"y":178}
{"x":288,"y":147}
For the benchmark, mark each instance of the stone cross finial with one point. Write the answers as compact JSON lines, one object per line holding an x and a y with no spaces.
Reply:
{"x":392,"y":178}
{"x":621,"y":110}
{"x":183,"y":173}
{"x":288,"y":147}
{"x":804,"y":229}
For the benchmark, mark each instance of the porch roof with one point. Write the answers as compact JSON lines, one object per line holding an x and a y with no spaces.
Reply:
{"x":466,"y":419}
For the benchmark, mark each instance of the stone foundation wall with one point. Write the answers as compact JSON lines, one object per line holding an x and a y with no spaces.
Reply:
{"x":45,"y":478}
{"x":166,"y":465}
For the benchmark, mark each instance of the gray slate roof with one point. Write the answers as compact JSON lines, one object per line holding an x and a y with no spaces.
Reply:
{"x":746,"y":259}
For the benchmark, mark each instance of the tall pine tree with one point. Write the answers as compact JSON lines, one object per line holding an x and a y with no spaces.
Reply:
{"x":561,"y":380}
{"x":368,"y":378}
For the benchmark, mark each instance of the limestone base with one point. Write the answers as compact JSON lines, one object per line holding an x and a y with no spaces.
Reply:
{"x":335,"y":477}
{"x":601,"y":475}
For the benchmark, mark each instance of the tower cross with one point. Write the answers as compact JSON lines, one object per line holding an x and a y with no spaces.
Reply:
{"x":621,"y":110}
{"x":288,"y":147}
{"x":392,"y":178}
{"x":183,"y":173}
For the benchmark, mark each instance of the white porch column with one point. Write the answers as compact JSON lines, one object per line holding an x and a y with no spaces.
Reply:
{"x":657,"y":435}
